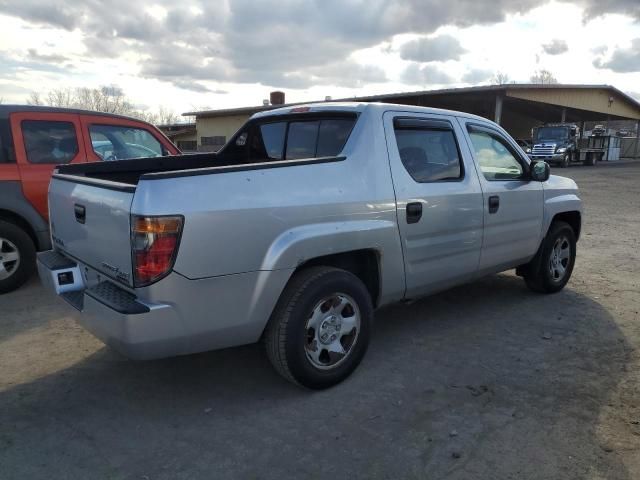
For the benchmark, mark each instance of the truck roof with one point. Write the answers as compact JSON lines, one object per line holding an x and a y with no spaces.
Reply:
{"x":361,"y":107}
{"x":6,"y":110}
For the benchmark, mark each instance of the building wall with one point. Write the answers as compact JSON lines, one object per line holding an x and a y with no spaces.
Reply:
{"x":518,"y":125}
{"x":183,"y":141}
{"x":218,"y":127}
{"x":595,"y":100}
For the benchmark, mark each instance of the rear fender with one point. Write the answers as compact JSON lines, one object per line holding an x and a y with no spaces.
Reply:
{"x":304,"y":243}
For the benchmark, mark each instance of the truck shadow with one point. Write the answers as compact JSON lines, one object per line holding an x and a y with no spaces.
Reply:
{"x":483,"y":381}
{"x":27,"y":308}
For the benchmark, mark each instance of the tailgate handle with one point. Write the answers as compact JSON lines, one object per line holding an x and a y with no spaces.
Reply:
{"x":80,"y":212}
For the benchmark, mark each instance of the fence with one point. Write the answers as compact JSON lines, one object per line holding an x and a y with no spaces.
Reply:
{"x":629,"y":148}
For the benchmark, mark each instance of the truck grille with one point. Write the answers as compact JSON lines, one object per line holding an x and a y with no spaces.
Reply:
{"x":544,"y":149}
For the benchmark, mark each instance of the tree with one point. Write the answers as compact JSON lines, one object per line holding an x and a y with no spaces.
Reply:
{"x":543,"y":77}
{"x":500,"y":79}
{"x":163,"y":116}
{"x":108,"y":99}
{"x":34,"y":99}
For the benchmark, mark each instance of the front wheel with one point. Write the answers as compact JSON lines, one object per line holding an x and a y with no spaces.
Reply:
{"x":17,"y":256}
{"x":319,"y":330}
{"x":551,"y":268}
{"x":566,"y":160}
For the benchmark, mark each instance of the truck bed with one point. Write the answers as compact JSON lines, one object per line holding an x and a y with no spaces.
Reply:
{"x":130,"y":171}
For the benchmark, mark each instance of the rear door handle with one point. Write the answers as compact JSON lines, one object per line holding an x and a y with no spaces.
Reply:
{"x":80,"y":212}
{"x":414,"y":212}
{"x":494,"y":203}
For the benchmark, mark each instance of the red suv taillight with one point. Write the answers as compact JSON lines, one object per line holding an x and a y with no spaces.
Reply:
{"x":154,"y":244}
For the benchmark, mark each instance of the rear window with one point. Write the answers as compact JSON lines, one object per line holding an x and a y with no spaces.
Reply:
{"x":272,"y":135}
{"x":290,"y":139}
{"x":120,"y":142}
{"x":49,"y":141}
{"x":302,"y":140}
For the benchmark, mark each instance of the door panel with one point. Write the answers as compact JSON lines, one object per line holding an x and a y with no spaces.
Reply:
{"x":513,"y":205}
{"x":42,"y":141}
{"x":441,"y":243}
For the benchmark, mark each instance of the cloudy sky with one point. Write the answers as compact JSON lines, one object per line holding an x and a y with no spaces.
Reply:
{"x":191,"y":54}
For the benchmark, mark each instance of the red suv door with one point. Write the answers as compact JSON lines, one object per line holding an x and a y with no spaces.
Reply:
{"x":113,"y":138}
{"x":42,"y":141}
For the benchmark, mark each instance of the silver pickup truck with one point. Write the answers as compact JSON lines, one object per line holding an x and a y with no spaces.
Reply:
{"x":308,"y":220}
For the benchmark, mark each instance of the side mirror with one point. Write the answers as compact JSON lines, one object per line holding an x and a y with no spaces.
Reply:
{"x":540,"y":171}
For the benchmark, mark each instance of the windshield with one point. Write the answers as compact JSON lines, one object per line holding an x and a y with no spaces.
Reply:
{"x":546,"y":134}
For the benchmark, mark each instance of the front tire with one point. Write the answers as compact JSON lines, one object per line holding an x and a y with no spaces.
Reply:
{"x":550,"y":270}
{"x":566,"y":160}
{"x":17,"y":257}
{"x":320,"y":328}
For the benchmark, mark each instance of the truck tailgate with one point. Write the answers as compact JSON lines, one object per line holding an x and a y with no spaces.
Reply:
{"x":90,"y":221}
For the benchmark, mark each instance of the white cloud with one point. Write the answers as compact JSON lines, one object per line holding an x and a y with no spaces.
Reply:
{"x":186,"y":55}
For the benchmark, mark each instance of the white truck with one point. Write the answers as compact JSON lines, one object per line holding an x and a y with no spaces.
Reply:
{"x":308,"y":220}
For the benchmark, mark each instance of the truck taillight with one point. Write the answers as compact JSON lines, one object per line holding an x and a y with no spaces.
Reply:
{"x":154,"y":244}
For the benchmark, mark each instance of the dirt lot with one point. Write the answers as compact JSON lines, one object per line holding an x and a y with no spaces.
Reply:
{"x":488,"y":381}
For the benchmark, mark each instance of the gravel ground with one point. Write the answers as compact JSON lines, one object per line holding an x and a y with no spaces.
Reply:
{"x":487,"y":381}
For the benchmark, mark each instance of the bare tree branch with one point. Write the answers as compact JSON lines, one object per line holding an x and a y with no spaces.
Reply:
{"x":108,"y":99}
{"x":500,"y":78}
{"x":543,"y":77}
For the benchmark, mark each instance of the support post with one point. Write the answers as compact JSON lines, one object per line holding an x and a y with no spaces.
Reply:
{"x":637,"y":149}
{"x":498,"y":109}
{"x":564,"y":115}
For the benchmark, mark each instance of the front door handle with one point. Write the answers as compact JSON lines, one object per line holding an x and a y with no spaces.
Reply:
{"x":80,"y":213}
{"x":414,"y":212}
{"x":494,"y":203}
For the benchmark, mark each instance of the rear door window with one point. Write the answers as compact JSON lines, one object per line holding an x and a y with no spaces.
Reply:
{"x":428,"y":150}
{"x":120,"y":142}
{"x":48,"y":141}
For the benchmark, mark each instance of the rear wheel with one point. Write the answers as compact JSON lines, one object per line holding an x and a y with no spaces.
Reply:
{"x":551,"y":268}
{"x":17,"y":256}
{"x":591,"y":159}
{"x":319,"y":331}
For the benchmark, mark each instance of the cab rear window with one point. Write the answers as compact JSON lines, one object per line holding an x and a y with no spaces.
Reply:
{"x":296,"y":138}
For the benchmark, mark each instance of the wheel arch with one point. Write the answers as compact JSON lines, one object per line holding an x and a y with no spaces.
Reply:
{"x":12,"y":217}
{"x":573,"y":218}
{"x":363,"y":263}
{"x":15,"y":208}
{"x":370,"y":249}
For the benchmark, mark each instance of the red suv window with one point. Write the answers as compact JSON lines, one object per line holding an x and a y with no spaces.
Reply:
{"x":47,"y":141}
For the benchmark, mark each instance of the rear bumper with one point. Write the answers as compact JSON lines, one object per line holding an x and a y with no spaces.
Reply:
{"x":138,"y":329}
{"x":176,"y":316}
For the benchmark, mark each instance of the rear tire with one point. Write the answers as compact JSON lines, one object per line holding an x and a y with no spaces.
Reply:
{"x":320,"y":328}
{"x":17,"y":257}
{"x":550,"y":270}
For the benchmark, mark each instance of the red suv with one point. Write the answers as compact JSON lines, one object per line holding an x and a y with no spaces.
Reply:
{"x":33,"y":140}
